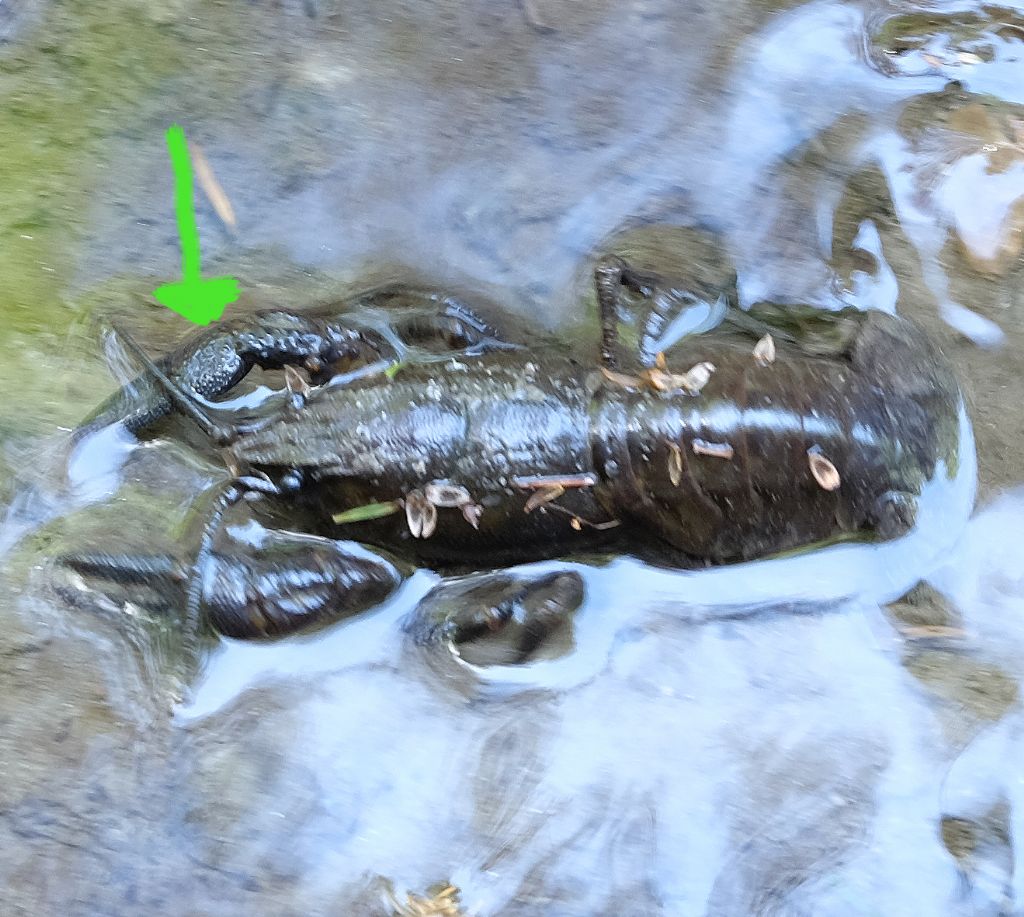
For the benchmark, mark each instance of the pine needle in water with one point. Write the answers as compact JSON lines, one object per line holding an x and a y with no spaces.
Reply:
{"x":367,"y":512}
{"x":215,"y":194}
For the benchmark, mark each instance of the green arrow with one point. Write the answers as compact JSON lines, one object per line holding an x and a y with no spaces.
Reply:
{"x":200,"y":301}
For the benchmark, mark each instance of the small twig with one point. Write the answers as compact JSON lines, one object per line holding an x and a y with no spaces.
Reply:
{"x":715,"y":450}
{"x":599,"y":526}
{"x":215,"y":194}
{"x":540,"y":481}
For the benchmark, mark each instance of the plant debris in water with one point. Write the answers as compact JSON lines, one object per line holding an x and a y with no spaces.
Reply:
{"x":421,"y":514}
{"x":715,"y":450}
{"x":451,"y":496}
{"x":675,"y":464}
{"x":825,"y":473}
{"x":442,"y":903}
{"x":215,"y":194}
{"x":764,"y":350}
{"x":543,"y":495}
{"x":367,"y":512}
{"x":661,"y":380}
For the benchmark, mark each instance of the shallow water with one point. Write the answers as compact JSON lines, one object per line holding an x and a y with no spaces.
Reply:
{"x":785,"y":737}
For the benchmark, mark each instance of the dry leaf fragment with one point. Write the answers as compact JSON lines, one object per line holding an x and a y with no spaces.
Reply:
{"x":211,"y":187}
{"x":543,"y":495}
{"x":764,"y":350}
{"x":622,"y":379}
{"x":825,"y":473}
{"x":441,"y":493}
{"x":691,"y":381}
{"x":932,"y":61}
{"x":444,"y":903}
{"x":429,"y":521}
{"x":715,"y":450}
{"x":472,"y":513}
{"x":296,"y":381}
{"x":659,"y":380}
{"x":697,"y":377}
{"x":420,"y":514}
{"x":576,"y":524}
{"x":659,"y":361}
{"x":675,"y":464}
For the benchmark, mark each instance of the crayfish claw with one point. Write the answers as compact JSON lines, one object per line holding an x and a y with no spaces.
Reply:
{"x":295,"y":582}
{"x":290,"y":583}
